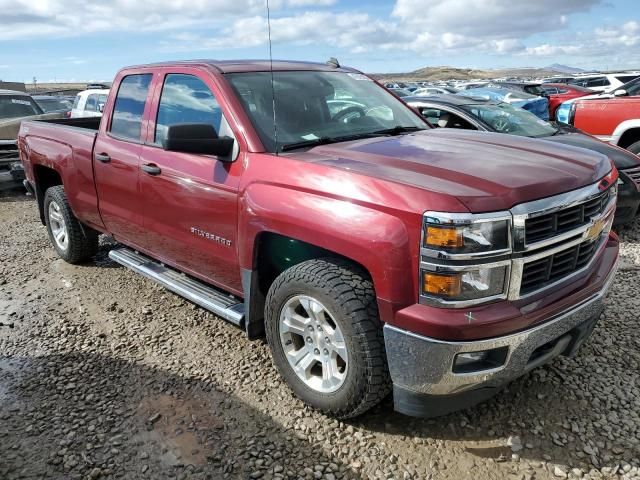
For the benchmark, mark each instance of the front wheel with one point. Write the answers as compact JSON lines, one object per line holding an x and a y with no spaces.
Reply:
{"x":73,"y":241}
{"x":325,"y":336}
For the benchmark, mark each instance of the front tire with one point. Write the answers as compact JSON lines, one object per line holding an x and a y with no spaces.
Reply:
{"x":634,"y":148}
{"x":325,"y":336}
{"x":73,"y":241}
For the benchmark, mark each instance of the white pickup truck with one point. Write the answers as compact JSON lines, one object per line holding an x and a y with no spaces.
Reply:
{"x":89,"y":103}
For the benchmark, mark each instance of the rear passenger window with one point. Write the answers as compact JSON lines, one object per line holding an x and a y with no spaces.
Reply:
{"x":186,"y":99}
{"x":92,"y":104}
{"x":126,"y":121}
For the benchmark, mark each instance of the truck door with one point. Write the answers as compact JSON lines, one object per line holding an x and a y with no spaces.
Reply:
{"x":116,"y":160}
{"x":191,"y":200}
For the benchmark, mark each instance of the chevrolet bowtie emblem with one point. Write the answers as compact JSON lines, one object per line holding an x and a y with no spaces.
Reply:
{"x":595,"y":229}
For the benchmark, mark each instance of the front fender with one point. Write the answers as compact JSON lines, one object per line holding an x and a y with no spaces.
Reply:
{"x":379,"y":241}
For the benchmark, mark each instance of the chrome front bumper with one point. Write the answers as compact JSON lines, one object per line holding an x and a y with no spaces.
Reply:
{"x":424,"y":366}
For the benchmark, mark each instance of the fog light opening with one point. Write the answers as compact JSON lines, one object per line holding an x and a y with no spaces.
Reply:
{"x":469,"y":362}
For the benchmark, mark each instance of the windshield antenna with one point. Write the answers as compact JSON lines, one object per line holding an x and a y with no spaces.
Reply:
{"x":273,"y":88}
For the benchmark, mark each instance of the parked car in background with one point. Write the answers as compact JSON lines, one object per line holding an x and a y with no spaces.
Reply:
{"x":558,"y":79}
{"x":401,"y":92}
{"x":604,"y":82}
{"x":426,"y":91}
{"x":374,"y":252}
{"x":470,"y":85}
{"x":614,"y":118}
{"x":561,"y":92}
{"x":54,"y":103}
{"x":456,"y":111}
{"x":89,"y":103}
{"x":532,"y":88}
{"x":539,"y":106}
{"x":14,"y":107}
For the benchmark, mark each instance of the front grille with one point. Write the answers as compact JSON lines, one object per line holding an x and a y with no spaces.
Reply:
{"x":633,"y":174}
{"x":543,"y":272}
{"x":9,"y":152}
{"x":552,"y":224}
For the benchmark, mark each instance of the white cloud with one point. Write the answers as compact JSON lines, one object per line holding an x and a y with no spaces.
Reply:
{"x":354,"y":31}
{"x":434,"y":28}
{"x":53,"y":18}
{"x":489,"y":18}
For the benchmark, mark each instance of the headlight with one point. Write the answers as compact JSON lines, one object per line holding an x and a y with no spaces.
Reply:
{"x":465,"y":258}
{"x":472,"y":283}
{"x":467,"y":234}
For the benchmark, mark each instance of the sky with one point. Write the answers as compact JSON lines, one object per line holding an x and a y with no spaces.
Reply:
{"x":80,"y":40}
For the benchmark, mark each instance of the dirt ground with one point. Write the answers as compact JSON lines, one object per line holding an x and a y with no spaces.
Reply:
{"x":105,"y":375}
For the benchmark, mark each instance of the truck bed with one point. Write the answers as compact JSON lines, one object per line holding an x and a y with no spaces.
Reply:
{"x":87,"y":123}
{"x":64,"y":146}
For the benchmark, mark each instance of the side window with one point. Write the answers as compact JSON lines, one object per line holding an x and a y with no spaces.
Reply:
{"x":186,"y":99}
{"x":92,"y":104}
{"x":634,"y":89}
{"x":626,"y":78}
{"x":126,"y":121}
{"x":597,"y":82}
{"x":76,"y":101}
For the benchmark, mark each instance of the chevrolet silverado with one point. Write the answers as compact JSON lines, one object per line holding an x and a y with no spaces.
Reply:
{"x":305,"y":202}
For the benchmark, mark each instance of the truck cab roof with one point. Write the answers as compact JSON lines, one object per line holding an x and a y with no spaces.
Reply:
{"x":237,"y":66}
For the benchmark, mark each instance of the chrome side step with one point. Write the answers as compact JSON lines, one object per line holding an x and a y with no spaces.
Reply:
{"x":206,"y":296}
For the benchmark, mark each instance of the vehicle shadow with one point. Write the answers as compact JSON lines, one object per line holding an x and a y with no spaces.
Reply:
{"x":82,"y":415}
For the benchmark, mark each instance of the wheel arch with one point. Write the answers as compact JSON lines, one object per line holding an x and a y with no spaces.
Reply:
{"x":45,"y":178}
{"x":275,"y":238}
{"x":627,"y":133}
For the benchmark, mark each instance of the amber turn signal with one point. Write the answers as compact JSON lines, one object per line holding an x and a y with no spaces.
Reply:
{"x":442,"y":285}
{"x":444,"y":237}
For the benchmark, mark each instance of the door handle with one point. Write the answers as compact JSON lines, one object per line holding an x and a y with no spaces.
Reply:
{"x":150,"y":168}
{"x":103,"y":157}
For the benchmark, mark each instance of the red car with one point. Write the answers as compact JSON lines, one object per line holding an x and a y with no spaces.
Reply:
{"x":374,"y":252}
{"x":561,"y":92}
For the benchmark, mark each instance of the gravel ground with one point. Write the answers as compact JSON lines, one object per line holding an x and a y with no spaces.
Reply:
{"x":105,"y":375}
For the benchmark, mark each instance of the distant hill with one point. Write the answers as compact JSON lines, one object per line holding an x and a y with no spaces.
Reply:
{"x":559,"y":68}
{"x":449,"y":73}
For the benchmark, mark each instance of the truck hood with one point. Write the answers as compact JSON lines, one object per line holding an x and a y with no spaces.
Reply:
{"x":484,"y":171}
{"x":9,"y":128}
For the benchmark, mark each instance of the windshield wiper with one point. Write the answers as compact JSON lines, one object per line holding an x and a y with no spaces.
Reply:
{"x":326,"y":140}
{"x":397,"y":130}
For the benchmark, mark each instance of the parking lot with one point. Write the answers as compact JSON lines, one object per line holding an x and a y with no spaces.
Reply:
{"x":104,"y":374}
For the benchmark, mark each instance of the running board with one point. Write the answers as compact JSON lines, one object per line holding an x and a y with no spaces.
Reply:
{"x":206,"y":296}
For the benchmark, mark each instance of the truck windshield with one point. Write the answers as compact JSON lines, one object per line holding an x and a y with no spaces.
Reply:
{"x":319,"y":107}
{"x":14,"y":106}
{"x":505,"y":118}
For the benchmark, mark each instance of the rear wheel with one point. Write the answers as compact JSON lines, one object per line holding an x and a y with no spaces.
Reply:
{"x":73,"y":241}
{"x":325,"y":336}
{"x":634,"y":148}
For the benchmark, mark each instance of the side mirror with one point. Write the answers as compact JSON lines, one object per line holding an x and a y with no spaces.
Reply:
{"x":620,"y":93}
{"x":197,"y":138}
{"x":101,"y":107}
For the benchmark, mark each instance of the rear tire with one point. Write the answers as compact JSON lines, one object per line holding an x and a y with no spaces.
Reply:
{"x":634,"y":148}
{"x":73,"y":241}
{"x":333,"y":304}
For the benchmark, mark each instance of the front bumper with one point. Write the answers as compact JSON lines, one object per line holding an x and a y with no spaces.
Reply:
{"x":422,"y":368}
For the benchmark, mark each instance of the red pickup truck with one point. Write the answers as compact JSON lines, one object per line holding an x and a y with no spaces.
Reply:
{"x":308,"y":204}
{"x":613,"y":118}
